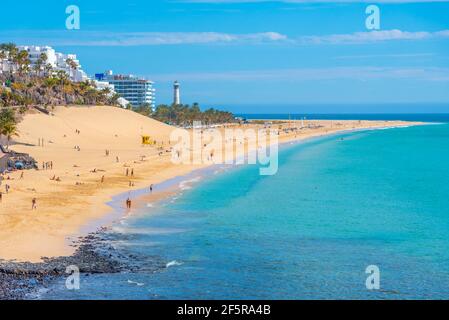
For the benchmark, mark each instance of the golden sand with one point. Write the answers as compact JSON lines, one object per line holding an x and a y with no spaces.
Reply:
{"x":79,"y":198}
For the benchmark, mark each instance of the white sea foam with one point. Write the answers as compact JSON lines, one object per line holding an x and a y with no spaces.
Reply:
{"x":38,"y":294}
{"x":384,"y":128}
{"x":173,"y":264}
{"x":186,"y":185}
{"x":123,"y":221}
{"x":146,"y":231}
{"x":139,"y":284}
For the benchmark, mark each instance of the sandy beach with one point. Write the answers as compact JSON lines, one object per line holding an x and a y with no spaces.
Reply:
{"x":77,"y":177}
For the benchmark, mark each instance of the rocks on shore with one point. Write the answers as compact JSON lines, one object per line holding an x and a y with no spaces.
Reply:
{"x":93,"y":255}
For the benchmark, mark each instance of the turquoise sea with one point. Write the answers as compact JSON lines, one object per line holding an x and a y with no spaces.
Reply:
{"x":337,"y":205}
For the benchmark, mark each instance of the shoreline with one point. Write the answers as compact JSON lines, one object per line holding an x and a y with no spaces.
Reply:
{"x":171,"y":186}
{"x":41,"y":274}
{"x":78,"y":210}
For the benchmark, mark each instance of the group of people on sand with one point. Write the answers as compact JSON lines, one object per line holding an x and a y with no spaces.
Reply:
{"x":40,"y":142}
{"x":128,"y":173}
{"x":47,"y":165}
{"x":8,"y":187}
{"x":54,"y":178}
{"x":129,"y":202}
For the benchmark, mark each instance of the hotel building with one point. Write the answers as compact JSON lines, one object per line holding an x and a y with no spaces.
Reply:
{"x":136,"y":90}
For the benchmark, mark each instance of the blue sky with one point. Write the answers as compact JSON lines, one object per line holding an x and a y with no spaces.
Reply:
{"x":256,"y":55}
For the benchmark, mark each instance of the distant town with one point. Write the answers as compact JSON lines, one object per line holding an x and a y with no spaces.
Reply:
{"x":39,"y":77}
{"x":133,"y":91}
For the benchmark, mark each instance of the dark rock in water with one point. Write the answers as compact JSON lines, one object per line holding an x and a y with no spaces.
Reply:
{"x":93,"y":256}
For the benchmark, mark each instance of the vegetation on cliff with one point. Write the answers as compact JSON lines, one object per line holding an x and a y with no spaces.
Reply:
{"x":38,"y":84}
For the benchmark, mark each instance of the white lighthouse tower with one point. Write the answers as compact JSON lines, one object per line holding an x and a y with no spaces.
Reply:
{"x":177,"y":95}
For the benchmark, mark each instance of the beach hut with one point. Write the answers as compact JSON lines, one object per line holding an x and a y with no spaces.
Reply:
{"x":146,"y":140}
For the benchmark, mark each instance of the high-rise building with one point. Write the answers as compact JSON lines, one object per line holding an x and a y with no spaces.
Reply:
{"x":177,"y":94}
{"x":136,"y":90}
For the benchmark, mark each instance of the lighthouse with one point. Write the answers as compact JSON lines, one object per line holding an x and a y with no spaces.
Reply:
{"x":177,"y":96}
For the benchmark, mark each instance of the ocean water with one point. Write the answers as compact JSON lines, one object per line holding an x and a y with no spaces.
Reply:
{"x":422,"y":117}
{"x":337,"y":205}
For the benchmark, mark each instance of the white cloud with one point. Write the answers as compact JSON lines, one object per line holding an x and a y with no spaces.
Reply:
{"x":373,"y":36}
{"x":177,"y":38}
{"x":166,"y":38}
{"x":93,"y":38}
{"x":311,"y":74}
{"x":387,"y":55}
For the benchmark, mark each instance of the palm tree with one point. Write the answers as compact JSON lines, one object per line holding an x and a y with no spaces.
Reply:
{"x":10,"y":49}
{"x":10,"y":52}
{"x":22,"y":61}
{"x":9,"y":130}
{"x":40,"y":62}
{"x":48,"y":69}
{"x":63,"y":77}
{"x":8,"y":124}
{"x":72,"y":65}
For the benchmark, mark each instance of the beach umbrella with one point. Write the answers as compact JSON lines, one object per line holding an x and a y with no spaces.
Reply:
{"x":19,"y":165}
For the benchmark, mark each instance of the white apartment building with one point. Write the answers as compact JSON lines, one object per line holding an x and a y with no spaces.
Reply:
{"x":57,"y":60}
{"x":101,"y":85}
{"x":5,"y":66}
{"x":135,"y":90}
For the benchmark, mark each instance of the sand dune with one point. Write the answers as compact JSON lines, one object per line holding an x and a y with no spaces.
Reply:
{"x":65,"y":206}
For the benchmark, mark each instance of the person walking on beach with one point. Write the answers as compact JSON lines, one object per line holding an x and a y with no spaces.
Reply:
{"x":21,"y":175}
{"x":7,"y":188}
{"x":34,"y":204}
{"x":127,"y":172}
{"x":1,"y":196}
{"x":151,"y":188}
{"x":102,"y":179}
{"x":132,"y":172}
{"x":128,"y":203}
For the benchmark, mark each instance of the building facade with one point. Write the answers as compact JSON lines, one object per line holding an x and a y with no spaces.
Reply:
{"x":57,"y":60}
{"x":135,"y":90}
